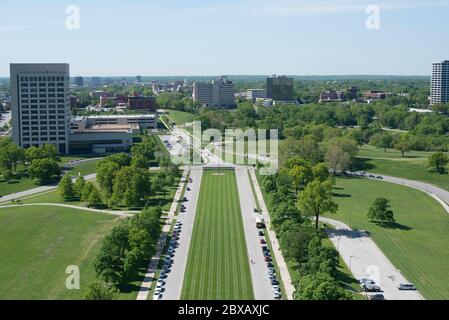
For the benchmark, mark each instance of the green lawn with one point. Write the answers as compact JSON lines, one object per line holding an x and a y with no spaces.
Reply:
{"x":373,"y":152}
{"x":37,"y":245}
{"x":218,"y":266}
{"x":84,"y":168}
{"x":417,"y":244}
{"x":180,"y":117}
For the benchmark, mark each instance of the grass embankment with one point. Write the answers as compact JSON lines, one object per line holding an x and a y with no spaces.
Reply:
{"x":417,"y":244}
{"x":218,"y":266}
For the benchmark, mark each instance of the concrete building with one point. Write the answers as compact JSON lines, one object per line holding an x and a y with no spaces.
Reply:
{"x":373,"y":95}
{"x":219,"y":93}
{"x":280,"y":88}
{"x":142,"y":103}
{"x":79,"y":81}
{"x":439,"y":87}
{"x":107,"y":134}
{"x":40,"y":104}
{"x":254,"y":94}
{"x":331,"y":96}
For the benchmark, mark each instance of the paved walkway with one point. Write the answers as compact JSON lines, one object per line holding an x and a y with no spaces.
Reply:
{"x":152,"y":267}
{"x":115,"y":213}
{"x":283,"y":270}
{"x":366,"y":260}
{"x":41,"y":189}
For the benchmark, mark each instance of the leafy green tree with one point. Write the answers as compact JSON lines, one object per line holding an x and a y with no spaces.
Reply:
{"x":316,"y":199}
{"x":99,"y":290}
{"x":337,"y":159}
{"x":320,"y":172}
{"x":44,"y":170}
{"x":294,"y":240}
{"x":78,"y":187}
{"x":106,"y":172}
{"x":300,"y":176}
{"x":320,"y":287}
{"x":382,"y":140}
{"x":7,"y":175}
{"x":48,"y":151}
{"x":284,"y":211}
{"x":10,"y":155}
{"x":132,"y":187}
{"x":86,"y":191}
{"x":381,"y":211}
{"x":320,"y":259}
{"x":438,"y":162}
{"x":403,"y":144}
{"x":66,"y":188}
{"x":95,"y":199}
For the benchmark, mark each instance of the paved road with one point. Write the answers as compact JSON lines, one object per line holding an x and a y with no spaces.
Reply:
{"x":422,"y":186}
{"x":175,"y":278}
{"x":366,"y":260}
{"x":283,"y":270}
{"x":259,"y":273}
{"x":41,"y":189}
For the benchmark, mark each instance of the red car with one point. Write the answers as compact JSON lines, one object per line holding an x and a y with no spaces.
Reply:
{"x":262,"y":241}
{"x":267,"y":258}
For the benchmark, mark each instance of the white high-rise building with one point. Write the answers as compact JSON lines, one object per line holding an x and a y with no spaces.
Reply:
{"x":219,"y":93}
{"x":254,"y":94}
{"x":40,"y":105}
{"x":439,"y":87}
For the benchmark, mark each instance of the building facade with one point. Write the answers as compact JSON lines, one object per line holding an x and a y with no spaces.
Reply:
{"x":280,"y":88}
{"x":142,"y":103}
{"x":439,"y":87}
{"x":219,"y":93}
{"x":79,"y":81}
{"x":254,"y":94}
{"x":40,"y":104}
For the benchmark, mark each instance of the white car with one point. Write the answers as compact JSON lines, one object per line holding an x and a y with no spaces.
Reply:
{"x":276,"y":295}
{"x":406,"y":286}
{"x":158,"y":288}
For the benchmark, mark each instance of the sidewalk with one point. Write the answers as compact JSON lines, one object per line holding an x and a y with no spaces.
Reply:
{"x":151,"y":270}
{"x":283,"y":270}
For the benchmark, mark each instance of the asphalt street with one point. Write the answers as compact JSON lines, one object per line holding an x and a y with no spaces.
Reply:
{"x":175,"y":278}
{"x":366,"y":260}
{"x":259,"y":272}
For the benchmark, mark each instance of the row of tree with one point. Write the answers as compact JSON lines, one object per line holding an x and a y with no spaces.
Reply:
{"x":124,"y":250}
{"x":298,"y":192}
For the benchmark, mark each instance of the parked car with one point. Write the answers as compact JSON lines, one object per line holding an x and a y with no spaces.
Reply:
{"x":370,"y":287}
{"x":406,"y":286}
{"x":267,"y":258}
{"x":262,"y":241}
{"x":274,"y":282}
{"x":377,"y":296}
{"x":380,"y":177}
{"x":255,"y":210}
{"x":157,"y":296}
{"x":261,"y":233}
{"x":270,"y":264}
{"x":277,"y":294}
{"x":188,"y":189}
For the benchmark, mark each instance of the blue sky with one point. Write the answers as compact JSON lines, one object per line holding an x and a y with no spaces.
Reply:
{"x":198,"y":37}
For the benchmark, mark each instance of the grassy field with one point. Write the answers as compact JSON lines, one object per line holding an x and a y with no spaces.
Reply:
{"x":84,"y":168}
{"x":37,"y":245}
{"x":180,"y":117}
{"x":417,"y":244}
{"x":413,"y":166}
{"x":218,"y":266}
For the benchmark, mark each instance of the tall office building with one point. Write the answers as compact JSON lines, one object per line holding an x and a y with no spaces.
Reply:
{"x":40,"y":104}
{"x":79,"y":81}
{"x":219,"y":93}
{"x":439,"y":87}
{"x":280,"y":88}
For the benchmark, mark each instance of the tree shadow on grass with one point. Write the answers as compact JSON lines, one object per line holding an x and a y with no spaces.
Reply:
{"x":341,"y":195}
{"x":362,"y":164}
{"x":345,"y":280}
{"x":393,"y":226}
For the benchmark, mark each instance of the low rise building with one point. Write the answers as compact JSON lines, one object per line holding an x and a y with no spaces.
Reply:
{"x":331,"y":96}
{"x":142,"y":103}
{"x":254,"y":94}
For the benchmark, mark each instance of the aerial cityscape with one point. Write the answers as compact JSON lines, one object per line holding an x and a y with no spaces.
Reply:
{"x":120,"y":183}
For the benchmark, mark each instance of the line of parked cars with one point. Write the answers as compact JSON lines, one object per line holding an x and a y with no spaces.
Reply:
{"x":271,"y":270}
{"x":168,"y":261}
{"x":167,"y":144}
{"x":370,"y":285}
{"x":362,"y":174}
